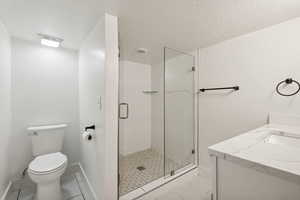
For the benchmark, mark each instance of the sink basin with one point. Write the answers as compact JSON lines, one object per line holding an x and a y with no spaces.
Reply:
{"x":276,"y":148}
{"x":283,"y":141}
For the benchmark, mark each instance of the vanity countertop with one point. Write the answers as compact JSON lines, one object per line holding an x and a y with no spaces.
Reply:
{"x":272,"y":149}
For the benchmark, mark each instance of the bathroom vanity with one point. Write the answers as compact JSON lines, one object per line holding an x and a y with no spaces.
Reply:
{"x":262,"y":164}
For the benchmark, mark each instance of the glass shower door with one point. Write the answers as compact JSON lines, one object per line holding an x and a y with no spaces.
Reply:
{"x":179,"y":111}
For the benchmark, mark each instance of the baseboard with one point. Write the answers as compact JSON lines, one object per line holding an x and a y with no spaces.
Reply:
{"x":88,"y":182}
{"x":6,"y":191}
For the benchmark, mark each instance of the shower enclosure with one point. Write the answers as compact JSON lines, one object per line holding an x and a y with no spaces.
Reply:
{"x":157,"y":120}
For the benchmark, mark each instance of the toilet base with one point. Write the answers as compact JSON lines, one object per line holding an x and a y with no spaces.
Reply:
{"x":49,"y":191}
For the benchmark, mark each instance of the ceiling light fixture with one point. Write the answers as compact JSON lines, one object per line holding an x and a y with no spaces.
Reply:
{"x":50,"y":41}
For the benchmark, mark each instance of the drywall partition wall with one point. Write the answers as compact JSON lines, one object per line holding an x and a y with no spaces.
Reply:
{"x":256,"y":62}
{"x":5,"y":107}
{"x":111,"y":107}
{"x":91,"y":101}
{"x":135,"y":131}
{"x":98,"y":92}
{"x":44,"y":91}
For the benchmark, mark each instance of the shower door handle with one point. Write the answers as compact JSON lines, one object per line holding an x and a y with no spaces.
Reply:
{"x":127,"y":110}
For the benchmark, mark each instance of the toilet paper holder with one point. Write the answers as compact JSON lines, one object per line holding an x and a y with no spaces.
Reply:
{"x":92,"y":127}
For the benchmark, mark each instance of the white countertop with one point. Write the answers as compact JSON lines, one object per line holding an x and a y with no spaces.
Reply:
{"x":272,"y":148}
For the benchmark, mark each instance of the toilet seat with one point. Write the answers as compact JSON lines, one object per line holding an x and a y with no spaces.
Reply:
{"x":48,"y":163}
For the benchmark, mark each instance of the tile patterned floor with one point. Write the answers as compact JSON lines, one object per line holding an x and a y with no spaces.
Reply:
{"x":131,"y":178}
{"x":74,"y":187}
{"x":196,"y":188}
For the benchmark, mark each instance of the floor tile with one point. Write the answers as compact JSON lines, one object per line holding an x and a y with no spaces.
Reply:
{"x":70,"y":187}
{"x":173,"y":196}
{"x":83,"y":185}
{"x":24,"y":195}
{"x":133,"y":194}
{"x":197,"y":187}
{"x":77,"y":198}
{"x":27,"y":191}
{"x":12,"y":195}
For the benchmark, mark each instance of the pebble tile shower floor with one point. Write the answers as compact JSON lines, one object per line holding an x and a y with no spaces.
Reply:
{"x":132,"y":178}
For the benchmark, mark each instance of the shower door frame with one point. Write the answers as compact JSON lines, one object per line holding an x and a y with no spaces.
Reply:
{"x":180,"y":172}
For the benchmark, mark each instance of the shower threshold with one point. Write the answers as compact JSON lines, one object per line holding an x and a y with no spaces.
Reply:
{"x":137,"y":193}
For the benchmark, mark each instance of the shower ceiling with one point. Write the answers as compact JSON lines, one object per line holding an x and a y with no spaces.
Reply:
{"x":181,"y":24}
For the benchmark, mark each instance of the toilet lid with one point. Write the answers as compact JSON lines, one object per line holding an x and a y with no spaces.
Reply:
{"x":48,"y":162}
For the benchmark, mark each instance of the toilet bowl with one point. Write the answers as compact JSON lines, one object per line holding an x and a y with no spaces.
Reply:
{"x":45,"y":171}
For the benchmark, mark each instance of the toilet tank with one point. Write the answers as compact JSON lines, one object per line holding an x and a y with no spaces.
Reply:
{"x":46,"y":139}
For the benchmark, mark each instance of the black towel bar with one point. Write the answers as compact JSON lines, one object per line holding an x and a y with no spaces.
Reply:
{"x":220,"y":88}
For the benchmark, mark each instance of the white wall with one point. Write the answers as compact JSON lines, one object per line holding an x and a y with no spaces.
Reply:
{"x":98,"y":79}
{"x":135,"y":132}
{"x":91,"y":89}
{"x":256,"y":62}
{"x":5,"y":107}
{"x":44,"y":91}
{"x":91,"y":93}
{"x":111,"y":107}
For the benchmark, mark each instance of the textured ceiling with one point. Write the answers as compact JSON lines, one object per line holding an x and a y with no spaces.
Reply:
{"x":67,"y":19}
{"x":152,"y":24}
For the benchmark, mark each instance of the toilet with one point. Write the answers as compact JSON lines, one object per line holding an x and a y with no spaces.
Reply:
{"x":49,"y":163}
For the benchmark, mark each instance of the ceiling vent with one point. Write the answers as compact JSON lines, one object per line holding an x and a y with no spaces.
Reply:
{"x":142,"y":50}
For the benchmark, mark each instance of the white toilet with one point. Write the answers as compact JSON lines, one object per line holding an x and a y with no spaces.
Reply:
{"x":49,"y":163}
